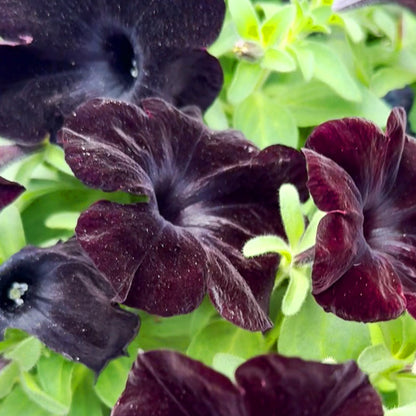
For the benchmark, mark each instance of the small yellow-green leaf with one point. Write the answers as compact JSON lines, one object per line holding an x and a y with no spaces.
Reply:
{"x":296,"y":292}
{"x":245,"y":18}
{"x":275,"y":29}
{"x":291,"y":212}
{"x":265,"y":244}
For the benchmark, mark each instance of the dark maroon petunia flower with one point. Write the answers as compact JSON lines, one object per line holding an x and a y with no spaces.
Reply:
{"x":167,"y":383}
{"x":339,"y":5}
{"x":9,"y":191}
{"x":56,"y":54}
{"x":209,"y":192}
{"x":57,"y":295}
{"x":365,"y":253}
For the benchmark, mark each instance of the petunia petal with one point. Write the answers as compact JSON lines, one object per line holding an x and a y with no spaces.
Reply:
{"x":367,"y":155}
{"x":57,"y":295}
{"x":150,"y":263}
{"x":209,"y":192}
{"x":170,"y":384}
{"x":9,"y":191}
{"x":370,"y":290}
{"x":55,"y":55}
{"x":281,"y":386}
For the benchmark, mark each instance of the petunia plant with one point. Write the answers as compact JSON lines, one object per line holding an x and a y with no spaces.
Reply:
{"x":206,"y":208}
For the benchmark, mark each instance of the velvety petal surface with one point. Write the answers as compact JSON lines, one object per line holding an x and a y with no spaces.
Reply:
{"x":55,"y":55}
{"x":279,"y":386}
{"x":168,"y":383}
{"x":364,"y":267}
{"x":209,"y":192}
{"x":9,"y":191}
{"x":57,"y":295}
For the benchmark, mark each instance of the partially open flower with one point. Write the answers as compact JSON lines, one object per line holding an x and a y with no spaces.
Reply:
{"x":9,"y":191}
{"x":209,"y":192}
{"x":57,"y":295}
{"x":56,"y":54}
{"x":365,"y":253}
{"x":170,"y":384}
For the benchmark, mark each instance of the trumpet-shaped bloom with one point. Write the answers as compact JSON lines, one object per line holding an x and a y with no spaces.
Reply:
{"x":364,"y":267}
{"x":170,"y":384}
{"x":56,"y":54}
{"x":57,"y":295}
{"x":209,"y":192}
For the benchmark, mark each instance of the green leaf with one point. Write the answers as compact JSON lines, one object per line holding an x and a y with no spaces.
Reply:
{"x":156,"y":332}
{"x":409,"y":410}
{"x":42,"y":399}
{"x":18,"y":404}
{"x":245,"y":18}
{"x":55,"y":156}
{"x":12,"y":337}
{"x":246,"y":77}
{"x":291,"y":212}
{"x":306,"y":61}
{"x":215,"y":117}
{"x":55,"y":376}
{"x":8,"y":377}
{"x":60,"y":220}
{"x":314,"y":103}
{"x":265,"y":122}
{"x":112,"y":381}
{"x":226,"y":40}
{"x":406,"y":388}
{"x":265,"y":244}
{"x":313,"y":334}
{"x":377,"y":359}
{"x":228,"y":339}
{"x":226,"y":364}
{"x":12,"y":234}
{"x":391,"y":78}
{"x":85,"y":402}
{"x":26,"y":353}
{"x":309,"y":237}
{"x":275,"y":29}
{"x":299,"y":285}
{"x":278,"y":60}
{"x":332,"y":71}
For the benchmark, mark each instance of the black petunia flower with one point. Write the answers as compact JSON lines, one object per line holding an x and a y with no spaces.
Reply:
{"x":9,"y":191}
{"x":209,"y":192}
{"x":167,"y":383}
{"x":365,"y":253}
{"x":56,"y":54}
{"x":57,"y":295}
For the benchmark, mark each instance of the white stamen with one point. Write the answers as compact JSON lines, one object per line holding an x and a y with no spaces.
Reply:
{"x":134,"y":72}
{"x":16,"y":292}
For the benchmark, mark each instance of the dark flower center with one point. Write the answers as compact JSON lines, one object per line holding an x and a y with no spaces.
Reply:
{"x":122,"y":58}
{"x":168,"y":205}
